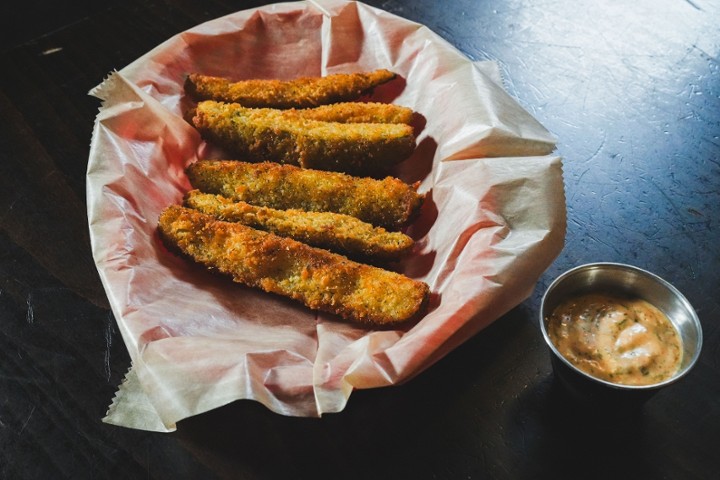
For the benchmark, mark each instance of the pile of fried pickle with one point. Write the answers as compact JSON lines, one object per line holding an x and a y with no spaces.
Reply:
{"x":300,"y":210}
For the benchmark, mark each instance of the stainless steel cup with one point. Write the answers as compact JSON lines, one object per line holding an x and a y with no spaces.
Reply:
{"x":620,"y":279}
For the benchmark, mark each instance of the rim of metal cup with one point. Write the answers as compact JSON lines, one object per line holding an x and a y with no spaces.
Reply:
{"x":622,"y":266}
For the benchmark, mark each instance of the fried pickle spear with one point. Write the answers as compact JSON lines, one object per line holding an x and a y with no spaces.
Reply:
{"x":299,"y":93}
{"x":355,"y":112}
{"x":346,"y":112}
{"x":260,"y":134}
{"x":319,"y":279}
{"x":389,"y":203}
{"x":333,"y":231}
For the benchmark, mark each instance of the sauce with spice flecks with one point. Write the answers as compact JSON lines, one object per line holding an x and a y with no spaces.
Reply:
{"x":620,"y":340}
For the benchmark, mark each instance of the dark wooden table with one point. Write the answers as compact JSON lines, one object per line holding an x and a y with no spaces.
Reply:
{"x":632,"y":91}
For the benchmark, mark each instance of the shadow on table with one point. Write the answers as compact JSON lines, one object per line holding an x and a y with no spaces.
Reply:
{"x":565,"y":438}
{"x":409,"y":431}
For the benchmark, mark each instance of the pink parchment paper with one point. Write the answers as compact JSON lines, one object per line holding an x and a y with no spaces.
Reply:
{"x":493,"y":221}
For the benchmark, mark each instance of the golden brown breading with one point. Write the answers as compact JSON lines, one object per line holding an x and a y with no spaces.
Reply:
{"x":389,"y":203}
{"x":333,"y":231}
{"x":319,"y":279}
{"x":346,"y":112}
{"x":264,"y":134}
{"x":356,"y":112}
{"x":299,"y":93}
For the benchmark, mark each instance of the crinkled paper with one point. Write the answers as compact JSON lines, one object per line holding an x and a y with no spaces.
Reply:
{"x":493,"y":220}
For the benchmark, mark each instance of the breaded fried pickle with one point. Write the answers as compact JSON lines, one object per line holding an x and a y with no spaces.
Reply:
{"x":388,"y":203}
{"x":348,"y":112}
{"x":334,"y":231}
{"x":319,"y":279}
{"x":299,"y":93}
{"x":356,"y":112}
{"x":263,"y":134}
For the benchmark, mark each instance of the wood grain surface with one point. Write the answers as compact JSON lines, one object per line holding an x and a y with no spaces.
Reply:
{"x":631,"y":90}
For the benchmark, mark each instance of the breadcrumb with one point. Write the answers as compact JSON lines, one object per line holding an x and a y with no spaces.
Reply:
{"x":264,"y":134}
{"x":333,"y":231}
{"x":298,"y":93}
{"x":356,"y":112}
{"x":389,"y":203}
{"x":319,"y":279}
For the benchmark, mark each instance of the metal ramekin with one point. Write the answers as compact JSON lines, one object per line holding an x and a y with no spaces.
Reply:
{"x":620,"y":279}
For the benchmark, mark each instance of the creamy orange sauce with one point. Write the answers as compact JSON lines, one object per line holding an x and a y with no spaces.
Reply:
{"x":625,"y":341}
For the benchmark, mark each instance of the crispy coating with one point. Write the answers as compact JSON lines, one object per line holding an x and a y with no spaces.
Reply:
{"x":264,"y":134}
{"x":319,"y":279}
{"x":356,"y":112}
{"x":333,"y":231}
{"x":299,"y":93}
{"x":389,"y":203}
{"x":346,"y":112}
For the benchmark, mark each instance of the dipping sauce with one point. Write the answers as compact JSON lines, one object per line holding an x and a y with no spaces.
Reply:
{"x":620,"y":340}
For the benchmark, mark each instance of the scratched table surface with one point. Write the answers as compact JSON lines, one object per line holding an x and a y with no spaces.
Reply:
{"x":631,"y":90}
